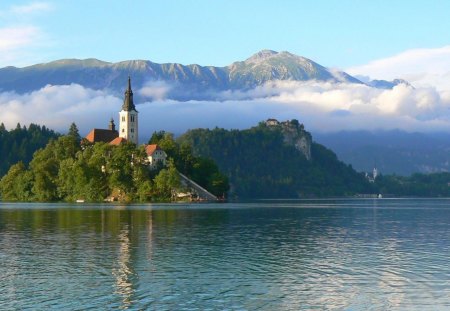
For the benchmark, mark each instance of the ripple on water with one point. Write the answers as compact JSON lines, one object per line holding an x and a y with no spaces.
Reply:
{"x":344,"y":256}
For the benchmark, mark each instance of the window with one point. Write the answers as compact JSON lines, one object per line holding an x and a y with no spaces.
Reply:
{"x":132,"y":118}
{"x":123,"y":118}
{"x":123,"y":130}
{"x":132,"y":130}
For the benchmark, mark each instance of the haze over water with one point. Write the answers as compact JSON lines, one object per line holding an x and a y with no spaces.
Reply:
{"x":269,"y":255}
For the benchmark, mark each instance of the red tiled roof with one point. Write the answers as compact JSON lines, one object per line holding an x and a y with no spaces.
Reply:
{"x":101,"y":135}
{"x":118,"y":141}
{"x":151,"y":148}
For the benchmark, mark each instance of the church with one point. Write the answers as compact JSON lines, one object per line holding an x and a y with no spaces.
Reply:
{"x":128,"y":130}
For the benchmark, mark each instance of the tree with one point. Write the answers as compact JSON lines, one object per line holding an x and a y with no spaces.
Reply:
{"x":167,"y":181}
{"x":156,"y":137}
{"x":16,"y":184}
{"x":73,"y":132}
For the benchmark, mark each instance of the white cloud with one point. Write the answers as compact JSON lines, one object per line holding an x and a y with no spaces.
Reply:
{"x":320,"y":106}
{"x":421,"y":67}
{"x":155,"y":90}
{"x":20,"y":39}
{"x":14,"y":38}
{"x":31,"y":8}
{"x":57,"y":106}
{"x":19,"y":45}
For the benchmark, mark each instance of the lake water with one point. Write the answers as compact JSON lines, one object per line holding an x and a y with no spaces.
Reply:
{"x":269,"y":255}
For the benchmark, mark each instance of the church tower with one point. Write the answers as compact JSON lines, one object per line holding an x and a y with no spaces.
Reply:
{"x":129,"y":117}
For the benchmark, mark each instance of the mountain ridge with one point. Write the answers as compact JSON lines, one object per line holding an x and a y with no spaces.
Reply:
{"x":188,"y":81}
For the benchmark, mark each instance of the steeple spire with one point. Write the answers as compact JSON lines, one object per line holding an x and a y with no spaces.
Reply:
{"x":128,"y":117}
{"x":128,"y":103}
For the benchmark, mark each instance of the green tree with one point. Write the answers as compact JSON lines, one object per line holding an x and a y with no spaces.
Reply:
{"x":16,"y":184}
{"x":167,"y":181}
{"x":156,"y":137}
{"x":73,"y":132}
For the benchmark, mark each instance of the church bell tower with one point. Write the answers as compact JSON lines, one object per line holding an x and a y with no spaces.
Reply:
{"x":129,"y":117}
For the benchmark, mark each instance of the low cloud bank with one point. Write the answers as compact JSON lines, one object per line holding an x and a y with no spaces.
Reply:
{"x":421,"y":67}
{"x":320,"y":106}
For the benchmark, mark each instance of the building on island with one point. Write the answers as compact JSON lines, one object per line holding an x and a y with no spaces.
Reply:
{"x":103,"y":135}
{"x":128,"y":127}
{"x":129,"y":117}
{"x":155,"y":155}
{"x":128,"y":131}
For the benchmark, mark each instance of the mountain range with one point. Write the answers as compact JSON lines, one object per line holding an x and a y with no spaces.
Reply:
{"x":391,"y":151}
{"x":186,"y":82}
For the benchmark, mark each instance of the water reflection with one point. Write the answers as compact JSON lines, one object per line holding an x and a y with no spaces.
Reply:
{"x":355,"y":255}
{"x":123,"y":271}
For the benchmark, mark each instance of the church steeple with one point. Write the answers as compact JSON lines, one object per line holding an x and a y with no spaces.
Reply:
{"x":128,"y":103}
{"x":129,"y":117}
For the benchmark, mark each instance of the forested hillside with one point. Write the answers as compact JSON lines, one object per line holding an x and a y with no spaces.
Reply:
{"x":20,"y":144}
{"x":260,"y":164}
{"x":68,"y":170}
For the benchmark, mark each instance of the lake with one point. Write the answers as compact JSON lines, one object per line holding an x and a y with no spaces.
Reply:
{"x":374,"y":254}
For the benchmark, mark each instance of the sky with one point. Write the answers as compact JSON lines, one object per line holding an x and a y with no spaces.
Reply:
{"x":369,"y":39}
{"x":333,"y":33}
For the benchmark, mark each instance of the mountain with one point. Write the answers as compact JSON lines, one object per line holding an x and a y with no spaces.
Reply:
{"x":186,"y":82}
{"x":392,"y":152}
{"x":383,"y":84}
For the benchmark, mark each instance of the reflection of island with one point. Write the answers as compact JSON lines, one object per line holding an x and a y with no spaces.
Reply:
{"x":123,"y":272}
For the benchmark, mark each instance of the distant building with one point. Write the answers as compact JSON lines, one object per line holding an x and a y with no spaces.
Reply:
{"x":155,"y":155}
{"x":373,"y":177}
{"x":128,"y":131}
{"x":272,"y":122}
{"x":103,"y":135}
{"x":128,"y":128}
{"x":129,"y":117}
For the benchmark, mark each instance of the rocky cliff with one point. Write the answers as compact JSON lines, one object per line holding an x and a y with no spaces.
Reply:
{"x":294,"y":134}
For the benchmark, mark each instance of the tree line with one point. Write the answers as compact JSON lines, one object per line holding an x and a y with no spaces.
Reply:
{"x":260,"y":164}
{"x":68,"y":170}
{"x":20,"y":143}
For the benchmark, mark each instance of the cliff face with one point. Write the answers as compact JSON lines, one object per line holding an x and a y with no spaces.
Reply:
{"x":294,"y":134}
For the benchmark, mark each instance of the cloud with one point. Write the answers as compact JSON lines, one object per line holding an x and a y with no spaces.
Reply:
{"x":57,"y":106}
{"x":14,"y":38}
{"x":421,"y":67}
{"x":19,"y":37}
{"x":155,"y":90}
{"x":320,"y":106}
{"x":31,"y":8}
{"x":18,"y":44}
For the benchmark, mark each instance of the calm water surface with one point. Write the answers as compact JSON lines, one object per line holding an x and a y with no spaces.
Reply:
{"x":323,"y":255}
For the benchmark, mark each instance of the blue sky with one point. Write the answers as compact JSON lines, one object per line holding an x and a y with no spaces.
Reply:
{"x":369,"y":39}
{"x":333,"y":33}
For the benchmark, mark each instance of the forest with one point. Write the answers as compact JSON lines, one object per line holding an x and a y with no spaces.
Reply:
{"x":260,"y":164}
{"x":19,"y":144}
{"x":41,"y":165}
{"x":70,"y":169}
